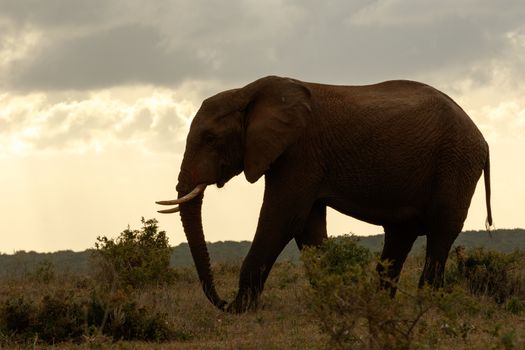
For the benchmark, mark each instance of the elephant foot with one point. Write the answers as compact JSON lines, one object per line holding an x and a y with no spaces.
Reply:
{"x":388,"y":279}
{"x":221,"y":305}
{"x":243,"y":303}
{"x":388,"y":285}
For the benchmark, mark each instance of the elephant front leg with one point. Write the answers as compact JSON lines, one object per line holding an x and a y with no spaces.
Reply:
{"x":281,"y":219}
{"x":266,"y":247}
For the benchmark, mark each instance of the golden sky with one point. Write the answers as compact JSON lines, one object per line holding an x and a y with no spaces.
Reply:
{"x":96,"y":99}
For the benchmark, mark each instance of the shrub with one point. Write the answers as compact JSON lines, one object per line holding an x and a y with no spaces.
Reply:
{"x":136,"y":257}
{"x":490,"y":273}
{"x":63,"y":316}
{"x":355,"y":312}
{"x":346,"y":298}
{"x":86,"y":307}
{"x":16,"y":315}
{"x":123,"y":318}
{"x":44,"y":272}
{"x":54,"y":318}
{"x":59,"y":318}
{"x":286,"y":274}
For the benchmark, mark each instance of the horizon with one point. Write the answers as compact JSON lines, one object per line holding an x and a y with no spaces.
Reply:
{"x":96,"y":100}
{"x":493,"y":231}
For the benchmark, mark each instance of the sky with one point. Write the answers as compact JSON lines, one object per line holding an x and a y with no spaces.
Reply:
{"x":96,"y":98}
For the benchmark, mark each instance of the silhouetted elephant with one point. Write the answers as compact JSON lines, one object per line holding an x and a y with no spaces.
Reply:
{"x":399,"y":154}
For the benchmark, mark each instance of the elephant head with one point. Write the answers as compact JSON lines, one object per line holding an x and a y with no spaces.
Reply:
{"x":244,"y":129}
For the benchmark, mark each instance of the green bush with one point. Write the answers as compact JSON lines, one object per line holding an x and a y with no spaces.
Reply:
{"x":52,"y":319}
{"x":356,"y":313}
{"x":349,"y":303}
{"x":44,"y":272}
{"x":67,"y":316}
{"x":104,"y":306}
{"x":17,"y":316}
{"x":136,"y":258}
{"x":490,"y":273}
{"x":123,"y":318}
{"x":58,"y":318}
{"x":340,"y":256}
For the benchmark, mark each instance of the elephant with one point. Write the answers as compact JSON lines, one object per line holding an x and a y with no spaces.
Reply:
{"x":399,"y":154}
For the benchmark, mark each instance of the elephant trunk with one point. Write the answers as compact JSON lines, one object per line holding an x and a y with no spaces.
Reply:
{"x":191,"y":217}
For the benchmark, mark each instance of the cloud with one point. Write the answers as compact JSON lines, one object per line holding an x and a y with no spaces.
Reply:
{"x":416,"y":12}
{"x":58,"y":13}
{"x":96,"y":96}
{"x":86,"y":46}
{"x":474,"y":51}
{"x":164,"y":43}
{"x":119,"y":56}
{"x":157,"y":122}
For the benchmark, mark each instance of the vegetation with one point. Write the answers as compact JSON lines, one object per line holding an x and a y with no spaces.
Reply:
{"x":136,"y":257}
{"x":332,"y":300}
{"x":356,"y":314}
{"x":489,"y":273}
{"x":52,"y":309}
{"x":21,"y":263}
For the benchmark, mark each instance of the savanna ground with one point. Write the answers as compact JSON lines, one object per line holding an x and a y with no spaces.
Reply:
{"x":331,"y":301}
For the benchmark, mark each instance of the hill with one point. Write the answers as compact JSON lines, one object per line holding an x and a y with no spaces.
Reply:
{"x":22,"y":262}
{"x":504,"y":240}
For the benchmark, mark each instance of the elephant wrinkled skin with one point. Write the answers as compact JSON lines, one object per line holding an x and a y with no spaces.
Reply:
{"x":399,"y":154}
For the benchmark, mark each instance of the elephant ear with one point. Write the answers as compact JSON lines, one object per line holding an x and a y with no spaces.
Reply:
{"x":275,"y":120}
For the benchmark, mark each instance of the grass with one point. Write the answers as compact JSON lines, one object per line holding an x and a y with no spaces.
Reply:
{"x":286,"y":319}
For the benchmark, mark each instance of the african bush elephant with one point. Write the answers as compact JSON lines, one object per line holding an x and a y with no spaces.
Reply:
{"x":399,"y":154}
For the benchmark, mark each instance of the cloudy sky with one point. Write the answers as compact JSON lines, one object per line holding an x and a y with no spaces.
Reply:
{"x":96,"y":98}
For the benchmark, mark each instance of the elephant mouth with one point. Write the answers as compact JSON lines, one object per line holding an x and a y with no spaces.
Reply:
{"x":226,"y":173}
{"x":223,"y":177}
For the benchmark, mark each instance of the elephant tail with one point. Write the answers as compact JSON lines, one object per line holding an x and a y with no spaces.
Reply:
{"x":489,"y":223}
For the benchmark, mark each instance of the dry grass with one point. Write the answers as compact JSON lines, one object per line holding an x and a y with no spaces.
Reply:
{"x":283,"y":320}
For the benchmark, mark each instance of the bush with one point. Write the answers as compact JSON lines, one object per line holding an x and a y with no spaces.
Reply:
{"x":44,"y":272}
{"x":54,"y":318}
{"x":16,"y":316}
{"x":59,"y":318}
{"x":122,"y":318}
{"x":86,"y":307}
{"x":63,"y":316}
{"x":488,"y":273}
{"x":346,"y":298}
{"x":136,"y":257}
{"x":356,"y":313}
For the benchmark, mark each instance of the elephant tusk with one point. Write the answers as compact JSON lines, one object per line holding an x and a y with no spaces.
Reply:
{"x":169,"y":211}
{"x":194,"y":193}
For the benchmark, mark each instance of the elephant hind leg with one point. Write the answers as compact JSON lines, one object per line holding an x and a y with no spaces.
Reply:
{"x":453,"y":188}
{"x":438,"y":247}
{"x":399,"y":239}
{"x":445,"y":224}
{"x":314,"y":231}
